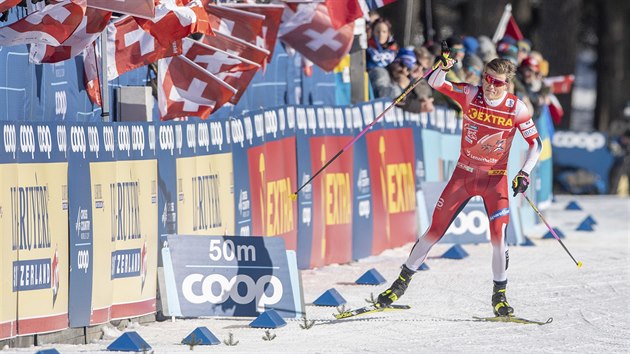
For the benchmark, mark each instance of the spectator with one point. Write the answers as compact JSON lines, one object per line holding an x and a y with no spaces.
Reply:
{"x":471,"y":45}
{"x":524,"y":49}
{"x":620,"y":170}
{"x":487,"y":50}
{"x":382,"y":48}
{"x":529,"y":74}
{"x":473,"y":67}
{"x":456,"y":46}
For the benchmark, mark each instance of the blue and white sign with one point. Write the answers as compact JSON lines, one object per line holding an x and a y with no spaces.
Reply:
{"x":230,"y":276}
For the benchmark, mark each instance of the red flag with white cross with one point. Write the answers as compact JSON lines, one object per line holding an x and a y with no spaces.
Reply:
{"x":187,"y":89}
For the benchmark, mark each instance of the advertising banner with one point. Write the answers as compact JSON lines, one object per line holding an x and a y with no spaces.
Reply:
{"x":205,"y":203}
{"x":133,"y":221}
{"x":244,"y":137}
{"x":8,"y":242}
{"x":392,"y":169}
{"x":272,"y":179}
{"x":362,"y":216}
{"x":231,"y":276}
{"x":39,"y":215}
{"x":82,"y":145}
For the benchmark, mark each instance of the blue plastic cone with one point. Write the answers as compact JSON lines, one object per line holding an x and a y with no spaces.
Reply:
{"x":268,"y":319}
{"x":48,"y":351}
{"x":330,"y":297}
{"x":129,"y":342}
{"x":371,"y":277}
{"x":201,"y":336}
{"x":557,"y":231}
{"x":527,"y":242}
{"x":455,"y":252}
{"x":423,"y":266}
{"x":573,"y":205}
{"x":585,"y":225}
{"x":591,"y":220}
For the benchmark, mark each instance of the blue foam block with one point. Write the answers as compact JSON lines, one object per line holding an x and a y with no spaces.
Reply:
{"x":423,"y":266}
{"x":201,"y":336}
{"x":129,"y":342}
{"x":455,"y":252}
{"x":591,"y":220}
{"x":573,"y":205}
{"x":527,"y":242}
{"x":48,"y":351}
{"x":558,"y":232}
{"x":330,"y":297}
{"x":585,"y":225}
{"x":371,"y":277}
{"x":268,"y":319}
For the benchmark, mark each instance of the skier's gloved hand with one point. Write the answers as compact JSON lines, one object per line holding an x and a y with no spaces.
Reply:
{"x":520,"y":183}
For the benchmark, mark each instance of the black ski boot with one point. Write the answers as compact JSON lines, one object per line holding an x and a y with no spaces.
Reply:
{"x":397,"y":289}
{"x":500,"y":305}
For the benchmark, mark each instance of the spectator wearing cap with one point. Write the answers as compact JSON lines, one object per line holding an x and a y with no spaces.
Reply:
{"x":487,"y":50}
{"x":382,"y":48}
{"x":471,"y":45}
{"x":473,"y":67}
{"x":456,"y":46}
{"x":524,"y":49}
{"x":530,"y":76}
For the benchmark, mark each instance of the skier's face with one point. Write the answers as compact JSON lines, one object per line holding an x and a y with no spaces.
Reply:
{"x":494,"y":84}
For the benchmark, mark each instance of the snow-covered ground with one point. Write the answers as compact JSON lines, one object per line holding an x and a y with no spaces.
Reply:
{"x":590,"y":306}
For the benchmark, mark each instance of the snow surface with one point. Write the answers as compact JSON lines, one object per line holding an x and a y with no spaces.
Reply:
{"x":590,"y":306}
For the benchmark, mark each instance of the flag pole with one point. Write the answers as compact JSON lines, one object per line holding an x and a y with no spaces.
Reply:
{"x":505,"y":17}
{"x":104,"y":81}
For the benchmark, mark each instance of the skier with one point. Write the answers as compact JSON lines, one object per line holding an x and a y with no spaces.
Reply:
{"x":491,"y":117}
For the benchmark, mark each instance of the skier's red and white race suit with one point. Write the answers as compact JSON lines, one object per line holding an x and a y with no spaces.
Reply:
{"x":488,"y":129}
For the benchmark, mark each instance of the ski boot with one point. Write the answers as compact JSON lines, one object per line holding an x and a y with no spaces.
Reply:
{"x":500,"y":305}
{"x":397,"y":289}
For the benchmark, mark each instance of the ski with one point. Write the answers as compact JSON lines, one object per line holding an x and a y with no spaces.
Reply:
{"x":369,"y":309}
{"x":512,"y":319}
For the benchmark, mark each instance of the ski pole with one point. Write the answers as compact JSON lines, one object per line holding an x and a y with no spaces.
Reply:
{"x":444,"y":57}
{"x":578,"y":263}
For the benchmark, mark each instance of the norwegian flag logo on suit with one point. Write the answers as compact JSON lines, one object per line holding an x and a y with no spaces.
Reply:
{"x":140,"y":8}
{"x":86,"y":33}
{"x":187,"y":89}
{"x":7,"y":4}
{"x":130,"y":47}
{"x":238,"y":23}
{"x":52,"y":25}
{"x":271,"y":24}
{"x":173,"y":22}
{"x":313,"y":36}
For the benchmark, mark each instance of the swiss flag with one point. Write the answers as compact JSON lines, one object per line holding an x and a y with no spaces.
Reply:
{"x":173,"y":21}
{"x":315,"y":38}
{"x":130,"y":47}
{"x":271,"y":24}
{"x":213,"y":59}
{"x":140,"y":8}
{"x":52,"y":25}
{"x":89,"y":29}
{"x":90,"y":75}
{"x":238,"y":23}
{"x":7,"y":4}
{"x":343,"y":12}
{"x":187,"y":89}
{"x":237,"y":47}
{"x":239,"y":80}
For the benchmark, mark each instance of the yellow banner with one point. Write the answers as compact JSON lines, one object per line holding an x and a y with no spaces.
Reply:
{"x":205,"y":189}
{"x":125,"y":237}
{"x":38,"y":214}
{"x":8,"y":297}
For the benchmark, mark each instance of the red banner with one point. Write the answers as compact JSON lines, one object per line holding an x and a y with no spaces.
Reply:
{"x":332,"y":202}
{"x":272,"y":178}
{"x":392,"y":170}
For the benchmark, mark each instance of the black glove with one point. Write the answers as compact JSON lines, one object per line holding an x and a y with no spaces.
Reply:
{"x":520,"y":183}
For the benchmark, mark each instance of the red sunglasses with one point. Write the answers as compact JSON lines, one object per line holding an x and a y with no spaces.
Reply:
{"x":494,"y":81}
